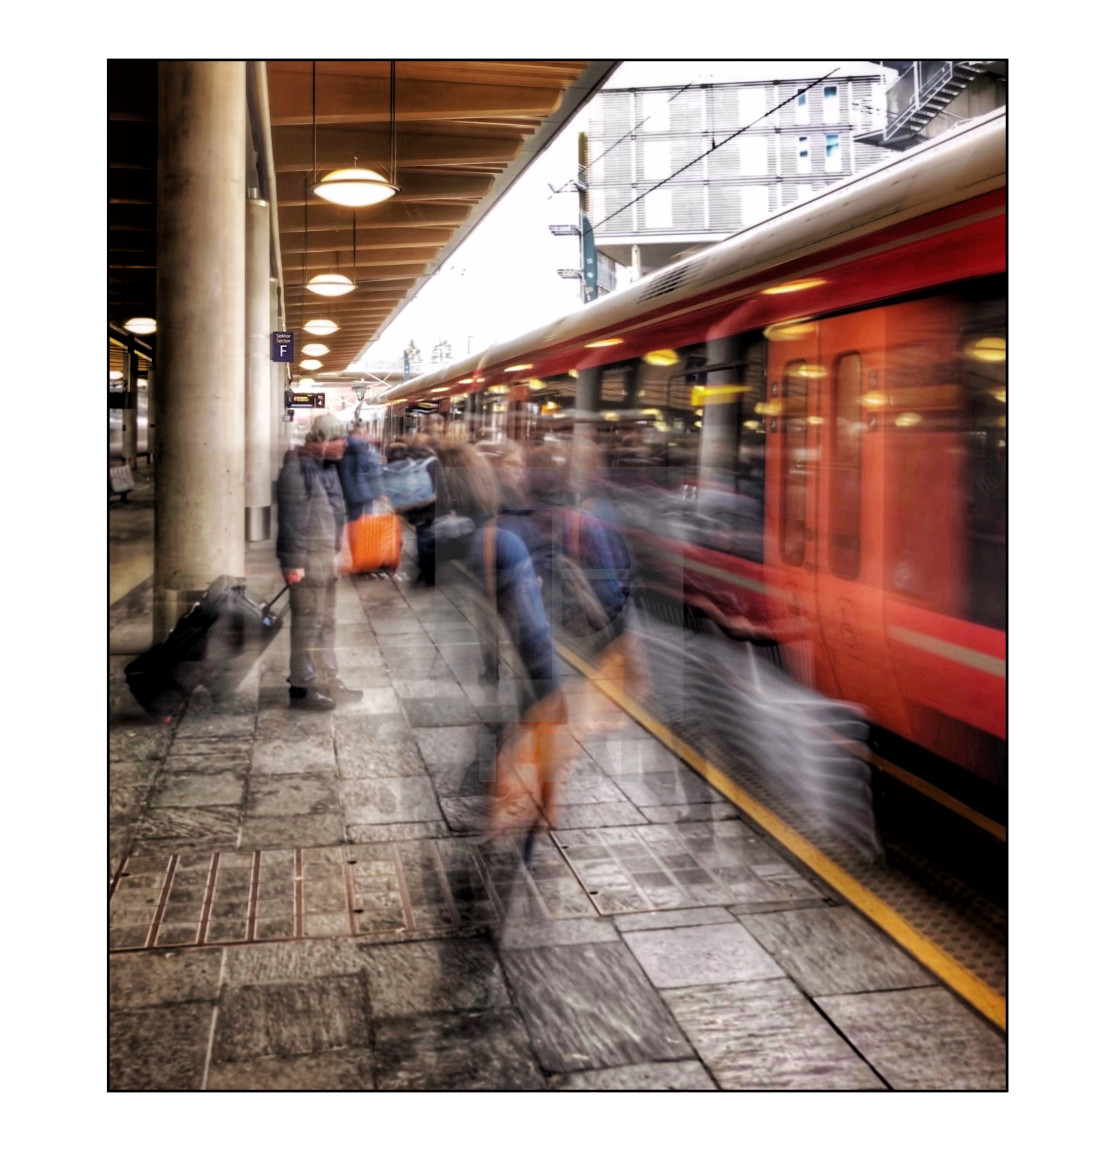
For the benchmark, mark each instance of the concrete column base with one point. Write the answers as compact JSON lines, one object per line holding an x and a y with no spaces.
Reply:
{"x":168,"y":606}
{"x":258,"y":525}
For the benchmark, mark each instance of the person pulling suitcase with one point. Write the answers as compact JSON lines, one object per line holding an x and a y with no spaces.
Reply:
{"x":312,"y":517}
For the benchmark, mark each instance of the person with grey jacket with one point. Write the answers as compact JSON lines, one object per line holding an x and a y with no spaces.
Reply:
{"x":312,"y":516}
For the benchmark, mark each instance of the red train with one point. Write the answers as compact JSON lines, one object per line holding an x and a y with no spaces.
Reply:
{"x":813,"y":415}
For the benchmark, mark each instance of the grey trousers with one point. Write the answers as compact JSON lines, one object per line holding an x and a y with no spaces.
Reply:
{"x":313,"y":662}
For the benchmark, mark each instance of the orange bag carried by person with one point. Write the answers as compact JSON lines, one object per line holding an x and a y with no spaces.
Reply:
{"x":375,"y":543}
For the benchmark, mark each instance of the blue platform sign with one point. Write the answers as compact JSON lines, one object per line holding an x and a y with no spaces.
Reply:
{"x":282,"y":347}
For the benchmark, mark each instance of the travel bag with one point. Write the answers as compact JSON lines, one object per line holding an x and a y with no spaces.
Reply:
{"x":408,"y":484}
{"x":215,"y":643}
{"x":375,"y":543}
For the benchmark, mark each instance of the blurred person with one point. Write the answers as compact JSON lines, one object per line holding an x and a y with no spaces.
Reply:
{"x":422,"y":446}
{"x":312,"y":515}
{"x":359,"y":472}
{"x":535,"y":751}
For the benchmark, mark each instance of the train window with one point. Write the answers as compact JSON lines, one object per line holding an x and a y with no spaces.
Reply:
{"x":984,"y":360}
{"x":944,"y":410}
{"x":844,"y":476}
{"x":795,"y":463}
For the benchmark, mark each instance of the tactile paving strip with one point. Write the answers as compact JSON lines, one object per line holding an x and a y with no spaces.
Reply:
{"x":401,"y":890}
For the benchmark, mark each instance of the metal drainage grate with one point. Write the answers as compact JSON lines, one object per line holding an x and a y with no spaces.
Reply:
{"x":377,"y":890}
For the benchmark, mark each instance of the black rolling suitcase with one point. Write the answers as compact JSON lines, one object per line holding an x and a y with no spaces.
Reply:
{"x":215,"y":643}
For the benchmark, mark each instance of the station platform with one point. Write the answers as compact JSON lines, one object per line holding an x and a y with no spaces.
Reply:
{"x":310,"y":901}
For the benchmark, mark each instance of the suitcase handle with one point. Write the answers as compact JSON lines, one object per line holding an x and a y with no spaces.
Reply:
{"x":268,"y":615}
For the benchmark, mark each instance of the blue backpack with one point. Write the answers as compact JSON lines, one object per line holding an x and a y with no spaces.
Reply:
{"x":408,"y":484}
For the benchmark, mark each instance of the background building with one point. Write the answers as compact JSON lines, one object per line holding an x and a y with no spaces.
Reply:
{"x":676,"y":165}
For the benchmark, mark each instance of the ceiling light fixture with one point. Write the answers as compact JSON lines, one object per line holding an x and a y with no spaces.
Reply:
{"x":320,"y":327}
{"x":359,"y":187}
{"x":326,"y":283}
{"x":355,"y":187}
{"x":314,"y":349}
{"x":310,"y":365}
{"x":140,"y":325}
{"x":330,"y":284}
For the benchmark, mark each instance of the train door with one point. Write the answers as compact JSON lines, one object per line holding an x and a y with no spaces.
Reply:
{"x":792,"y":493}
{"x":849,"y":591}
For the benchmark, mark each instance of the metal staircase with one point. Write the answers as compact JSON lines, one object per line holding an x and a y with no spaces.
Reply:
{"x":925,"y":89}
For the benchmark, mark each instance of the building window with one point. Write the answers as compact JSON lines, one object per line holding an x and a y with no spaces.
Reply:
{"x":659,"y":208}
{"x":752,"y":156}
{"x":831,"y":104}
{"x":801,"y":109}
{"x":755,"y":200}
{"x":656,"y":159}
{"x":655,"y":111}
{"x":803,"y":164}
{"x":832,"y":152}
{"x":804,"y":191}
{"x":752,"y":105}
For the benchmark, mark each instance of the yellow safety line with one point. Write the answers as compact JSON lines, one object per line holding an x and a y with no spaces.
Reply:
{"x":971,"y":988}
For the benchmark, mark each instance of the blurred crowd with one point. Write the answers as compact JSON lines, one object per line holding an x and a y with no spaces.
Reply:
{"x":519,"y":529}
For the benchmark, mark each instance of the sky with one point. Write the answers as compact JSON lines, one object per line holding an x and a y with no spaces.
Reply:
{"x":503,"y":279}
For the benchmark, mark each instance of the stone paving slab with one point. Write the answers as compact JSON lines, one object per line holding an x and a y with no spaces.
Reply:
{"x":685,"y":1076}
{"x":348,"y":1069}
{"x":159,"y":1048}
{"x":766,"y":1035}
{"x":291,"y":1019}
{"x":589,"y":1006}
{"x":834,"y":950}
{"x":701,"y":954}
{"x":437,"y":975}
{"x":921,"y":1039}
{"x":464,"y":1051}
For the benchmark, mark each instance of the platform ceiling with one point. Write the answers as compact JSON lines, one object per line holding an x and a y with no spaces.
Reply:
{"x":465,"y":130}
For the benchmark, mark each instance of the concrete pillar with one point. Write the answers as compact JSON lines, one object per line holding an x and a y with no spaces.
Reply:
{"x":635,"y":263}
{"x":129,"y":411}
{"x":200,"y":286}
{"x":258,"y":373}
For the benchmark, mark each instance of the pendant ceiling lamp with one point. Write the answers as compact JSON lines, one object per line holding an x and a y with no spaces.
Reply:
{"x":355,"y":187}
{"x":330,"y":284}
{"x":326,"y":283}
{"x":359,"y":187}
{"x":320,"y":327}
{"x":314,"y":349}
{"x":140,"y":325}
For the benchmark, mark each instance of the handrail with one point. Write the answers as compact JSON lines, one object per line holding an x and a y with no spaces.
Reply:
{"x":924,"y":91}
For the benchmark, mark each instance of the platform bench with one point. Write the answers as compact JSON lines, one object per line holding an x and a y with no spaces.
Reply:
{"x":121,"y":481}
